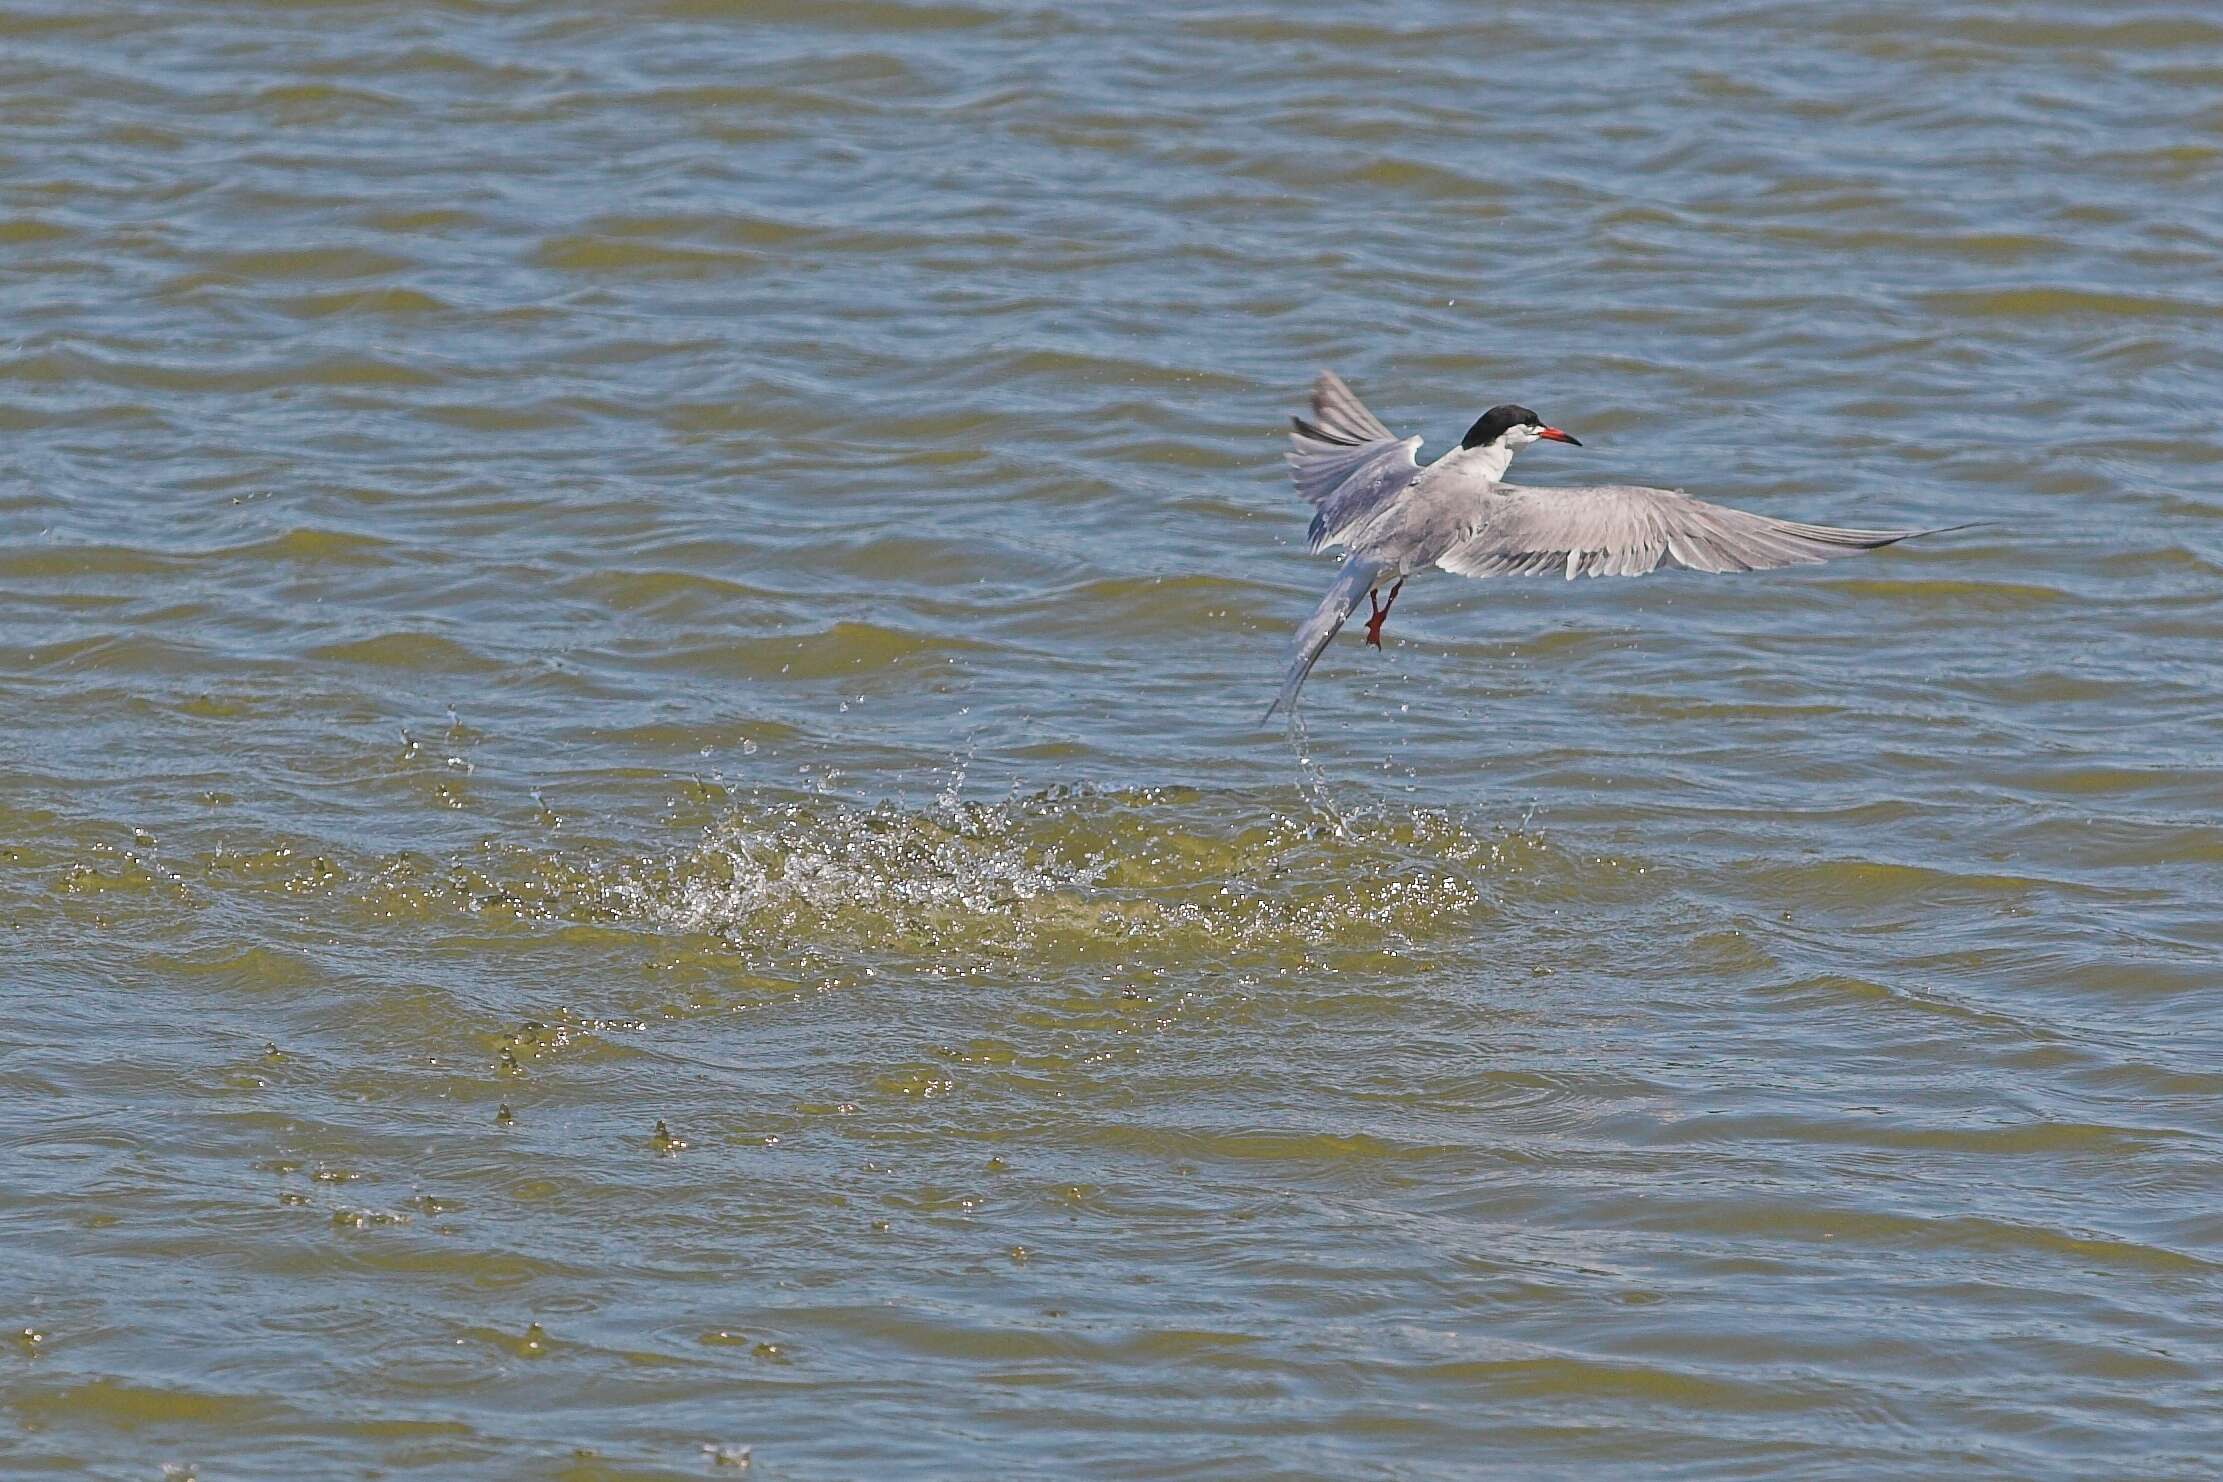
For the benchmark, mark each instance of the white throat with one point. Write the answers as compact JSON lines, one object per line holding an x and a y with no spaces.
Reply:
{"x":1487,"y":462}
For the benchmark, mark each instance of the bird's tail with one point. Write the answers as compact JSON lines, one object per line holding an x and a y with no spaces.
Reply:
{"x":1351,"y":583}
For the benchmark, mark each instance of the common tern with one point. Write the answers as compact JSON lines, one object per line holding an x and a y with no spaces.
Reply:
{"x":1396,"y":518}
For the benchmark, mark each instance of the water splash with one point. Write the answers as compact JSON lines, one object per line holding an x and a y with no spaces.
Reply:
{"x":1312,"y":777}
{"x":1170,"y":877}
{"x":1167,"y":874}
{"x":809,"y":864}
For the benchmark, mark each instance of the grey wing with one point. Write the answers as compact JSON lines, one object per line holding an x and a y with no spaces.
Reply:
{"x":1624,"y":530}
{"x":1350,"y":584}
{"x":1345,"y":461}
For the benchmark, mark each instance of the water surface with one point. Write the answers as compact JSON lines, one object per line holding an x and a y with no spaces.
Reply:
{"x":631,"y":823}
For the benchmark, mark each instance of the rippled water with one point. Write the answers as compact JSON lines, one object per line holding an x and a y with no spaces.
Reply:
{"x":631,"y":826}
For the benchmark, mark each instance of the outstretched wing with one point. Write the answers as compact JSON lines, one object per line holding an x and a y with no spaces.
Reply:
{"x":1623,"y":530}
{"x":1350,"y":584}
{"x":1344,"y":460}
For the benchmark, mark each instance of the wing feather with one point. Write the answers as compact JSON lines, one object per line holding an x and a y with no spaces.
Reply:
{"x":1341,"y":415}
{"x":1336,"y":604}
{"x":1344,"y":461}
{"x":1624,"y":530}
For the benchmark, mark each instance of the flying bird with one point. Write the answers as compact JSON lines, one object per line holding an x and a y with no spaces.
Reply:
{"x":1396,"y":518}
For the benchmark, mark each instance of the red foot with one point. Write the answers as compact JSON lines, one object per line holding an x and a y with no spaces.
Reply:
{"x":1381,"y":612}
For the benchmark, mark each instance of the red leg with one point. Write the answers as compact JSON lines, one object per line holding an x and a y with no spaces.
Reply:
{"x":1381,"y":612}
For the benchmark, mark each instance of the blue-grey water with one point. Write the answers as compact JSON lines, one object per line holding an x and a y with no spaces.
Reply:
{"x":632,"y":835}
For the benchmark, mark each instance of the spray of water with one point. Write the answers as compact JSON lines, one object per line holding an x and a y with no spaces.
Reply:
{"x":1312,"y":778}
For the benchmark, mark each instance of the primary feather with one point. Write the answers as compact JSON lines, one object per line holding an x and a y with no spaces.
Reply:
{"x":1351,"y":583}
{"x":1345,"y":461}
{"x":1625,"y":530}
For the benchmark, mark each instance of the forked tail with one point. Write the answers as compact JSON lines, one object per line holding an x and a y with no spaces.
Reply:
{"x":1351,"y":583}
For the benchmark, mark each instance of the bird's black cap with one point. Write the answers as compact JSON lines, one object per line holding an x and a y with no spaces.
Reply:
{"x":1496,"y":422}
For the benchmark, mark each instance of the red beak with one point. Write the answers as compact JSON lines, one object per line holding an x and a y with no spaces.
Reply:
{"x":1553,"y":434}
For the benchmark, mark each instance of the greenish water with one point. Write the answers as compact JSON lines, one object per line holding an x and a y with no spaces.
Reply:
{"x":630,"y":820}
